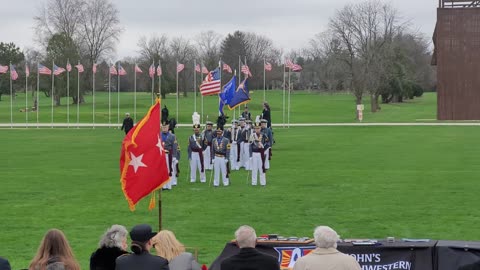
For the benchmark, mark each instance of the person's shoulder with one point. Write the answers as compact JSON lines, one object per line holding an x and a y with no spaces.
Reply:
{"x":123,"y":257}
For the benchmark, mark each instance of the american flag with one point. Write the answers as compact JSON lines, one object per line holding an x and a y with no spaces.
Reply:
{"x":151,"y":71}
{"x":159,"y":70}
{"x":268,"y":66}
{"x":79,"y":67}
{"x":204,"y":69}
{"x":3,"y":69}
{"x":197,"y":68}
{"x":227,"y":68}
{"x":121,"y":71}
{"x":69,"y":67}
{"x":57,"y":70}
{"x":44,"y":70}
{"x":13,"y":73}
{"x":113,"y":70}
{"x":288,"y":63}
{"x":94,"y":69}
{"x":27,"y":71}
{"x":296,"y":67}
{"x":137,"y":69}
{"x":180,"y":67}
{"x":211,"y":84}
{"x":246,"y":70}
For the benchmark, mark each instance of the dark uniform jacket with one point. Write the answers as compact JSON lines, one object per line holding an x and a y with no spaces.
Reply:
{"x":195,"y":144}
{"x":250,"y":259}
{"x":207,"y":136}
{"x":144,"y":261}
{"x":104,"y":258}
{"x":127,"y":124}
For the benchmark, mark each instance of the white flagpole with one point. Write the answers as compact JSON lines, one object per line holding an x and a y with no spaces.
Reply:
{"x":284,"y":86}
{"x":194,"y":85}
{"x":153,"y":78}
{"x":68,"y":95}
{"x":289,"y":90}
{"x":78,"y":96}
{"x":118,"y":93}
{"x":93,"y":98}
{"x":26,"y":97}
{"x":220,"y":71}
{"x":135,"y":93}
{"x":239,"y":77}
{"x":11,"y":97}
{"x":160,"y":80}
{"x":53,"y":83}
{"x":264,"y":85}
{"x":176,"y":68}
{"x":109,"y":96}
{"x":38,"y":94}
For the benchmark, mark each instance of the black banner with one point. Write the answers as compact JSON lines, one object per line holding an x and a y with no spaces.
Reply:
{"x":382,"y":256}
{"x":457,"y":255}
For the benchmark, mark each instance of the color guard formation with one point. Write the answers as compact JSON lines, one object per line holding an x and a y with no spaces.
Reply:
{"x":246,"y":145}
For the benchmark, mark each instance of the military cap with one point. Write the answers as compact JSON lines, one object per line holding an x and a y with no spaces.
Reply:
{"x":209,"y":123}
{"x":165,"y":123}
{"x":257,"y":125}
{"x":249,"y":121}
{"x":196,"y":126}
{"x":234,"y":121}
{"x":241,"y":119}
{"x":264,"y":121}
{"x":219,"y":130}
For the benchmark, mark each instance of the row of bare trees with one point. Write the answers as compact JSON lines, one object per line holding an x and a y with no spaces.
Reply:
{"x":367,"y":50}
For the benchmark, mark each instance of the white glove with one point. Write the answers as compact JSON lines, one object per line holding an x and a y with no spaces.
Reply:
{"x":174,"y":161}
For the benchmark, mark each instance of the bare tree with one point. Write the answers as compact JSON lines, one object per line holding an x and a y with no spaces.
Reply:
{"x":364,"y":29}
{"x":59,"y":16}
{"x":208,"y":46}
{"x":100,"y":29}
{"x":153,"y":49}
{"x":183,"y":51}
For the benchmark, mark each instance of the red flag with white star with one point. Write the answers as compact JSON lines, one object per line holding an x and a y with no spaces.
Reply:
{"x":143,"y":165}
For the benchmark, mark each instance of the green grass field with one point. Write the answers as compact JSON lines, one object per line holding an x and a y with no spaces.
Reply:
{"x":306,"y":107}
{"x":417,"y":182}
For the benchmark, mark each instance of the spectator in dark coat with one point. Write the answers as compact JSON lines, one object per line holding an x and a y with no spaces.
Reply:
{"x":141,"y":259}
{"x":266,"y":114}
{"x":249,"y":257}
{"x":127,"y":123}
{"x":4,"y":264}
{"x":112,"y":245}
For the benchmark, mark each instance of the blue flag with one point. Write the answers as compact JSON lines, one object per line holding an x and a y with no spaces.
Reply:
{"x":241,"y":96}
{"x":227,"y":93}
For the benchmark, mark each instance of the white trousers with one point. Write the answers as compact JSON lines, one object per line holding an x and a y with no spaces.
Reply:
{"x":245,"y":156}
{"x":234,"y":165}
{"x":257,"y":168}
{"x":267,"y":155}
{"x":194,"y":165}
{"x":207,"y":159}
{"x":220,"y":166}
{"x":173,"y":178}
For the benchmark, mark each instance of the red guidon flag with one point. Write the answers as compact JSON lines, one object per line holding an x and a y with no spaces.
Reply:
{"x":143,"y":164}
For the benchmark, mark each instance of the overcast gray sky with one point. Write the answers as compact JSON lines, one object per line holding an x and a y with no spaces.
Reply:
{"x":289,"y":23}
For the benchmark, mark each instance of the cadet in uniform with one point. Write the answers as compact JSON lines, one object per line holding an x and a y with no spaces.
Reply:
{"x":267,"y":133}
{"x":195,"y":155}
{"x":258,"y":155}
{"x":233,"y":136}
{"x":170,"y":147}
{"x":246,"y":133}
{"x":221,"y":151}
{"x":207,"y":136}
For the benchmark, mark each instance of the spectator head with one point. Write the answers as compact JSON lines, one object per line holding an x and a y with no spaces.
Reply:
{"x":54,"y":245}
{"x":246,"y":237}
{"x":266,"y":106}
{"x":127,"y":114}
{"x":325,"y":237}
{"x":115,"y":236}
{"x":167,"y":245}
{"x":141,"y":236}
{"x":246,"y":108}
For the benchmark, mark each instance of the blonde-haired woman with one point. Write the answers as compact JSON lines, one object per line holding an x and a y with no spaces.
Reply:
{"x":54,"y":252}
{"x":168,"y":247}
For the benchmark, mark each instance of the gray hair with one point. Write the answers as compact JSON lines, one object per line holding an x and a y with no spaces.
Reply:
{"x":325,"y":237}
{"x":246,"y":236}
{"x":114,"y":237}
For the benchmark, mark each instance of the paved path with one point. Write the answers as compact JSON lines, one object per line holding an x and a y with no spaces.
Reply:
{"x":85,"y":125}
